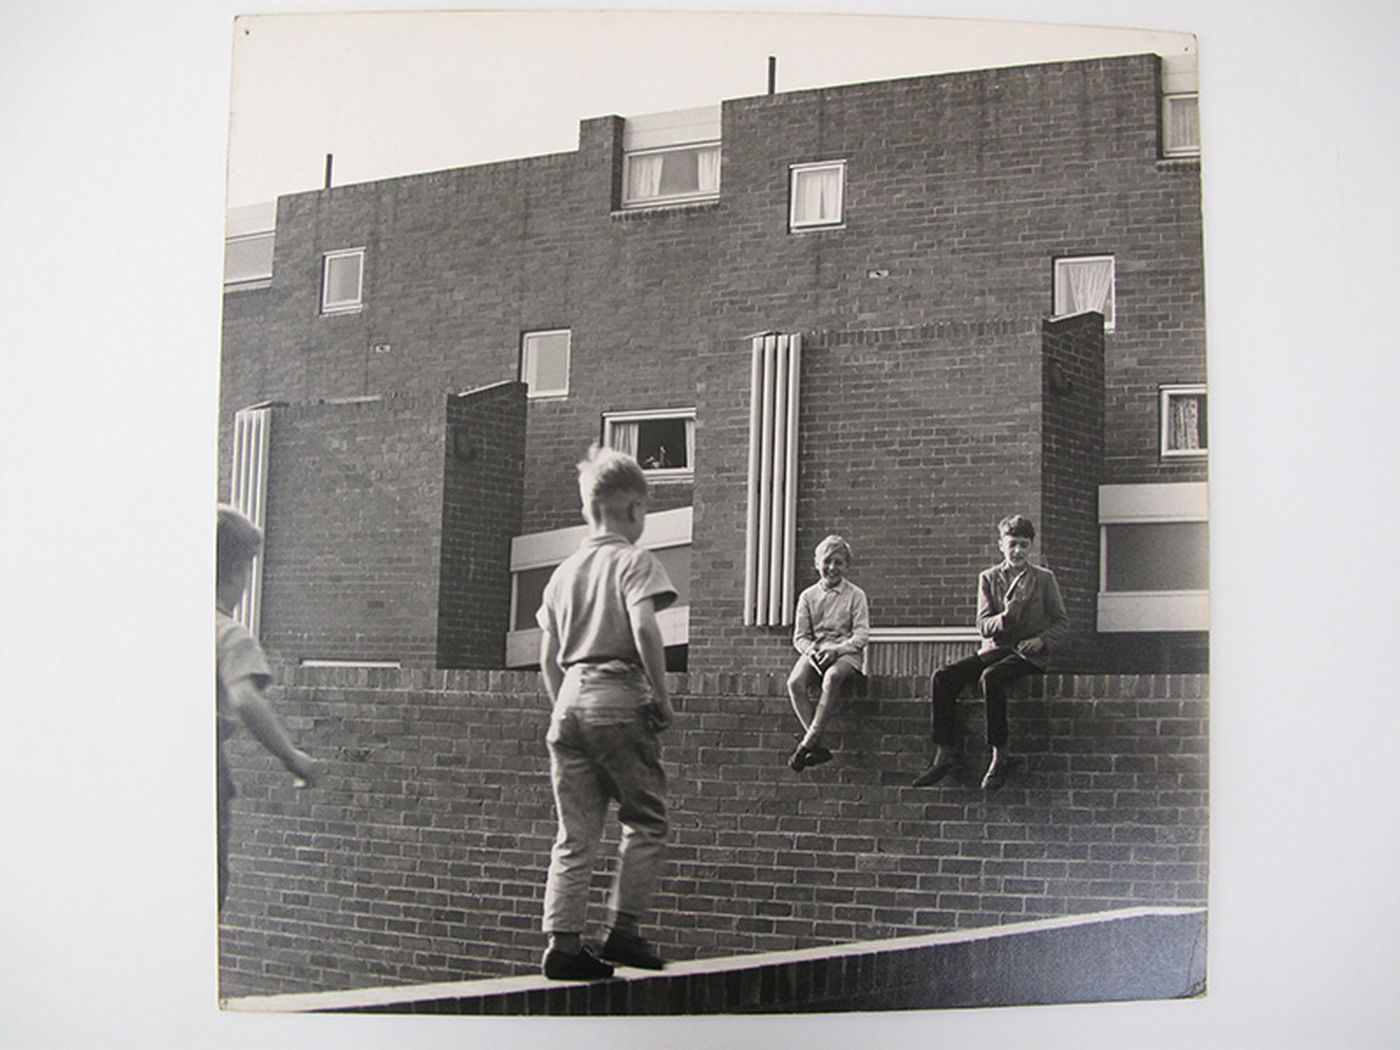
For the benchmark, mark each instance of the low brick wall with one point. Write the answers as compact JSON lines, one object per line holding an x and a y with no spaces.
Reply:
{"x":420,"y":855}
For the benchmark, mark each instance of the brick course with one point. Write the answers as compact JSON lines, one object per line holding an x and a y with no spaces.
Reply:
{"x":420,"y":857}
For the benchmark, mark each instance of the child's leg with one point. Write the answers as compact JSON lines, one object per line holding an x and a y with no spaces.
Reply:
{"x":833,"y":681}
{"x":945,"y":685}
{"x":995,"y":681}
{"x":641,"y":794}
{"x":581,"y":802}
{"x":801,"y":681}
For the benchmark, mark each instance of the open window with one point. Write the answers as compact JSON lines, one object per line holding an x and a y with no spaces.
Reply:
{"x":663,"y":442}
{"x":544,"y":362}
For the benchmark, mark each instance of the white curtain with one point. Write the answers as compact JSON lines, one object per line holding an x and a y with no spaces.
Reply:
{"x":818,"y":195}
{"x":708,"y":161}
{"x":1183,"y":123}
{"x":690,"y":443}
{"x":623,"y":436}
{"x":644,"y":176}
{"x":1086,"y":285}
{"x":1185,"y":423}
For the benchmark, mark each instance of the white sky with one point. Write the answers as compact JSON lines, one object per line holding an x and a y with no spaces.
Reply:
{"x":392,"y":94}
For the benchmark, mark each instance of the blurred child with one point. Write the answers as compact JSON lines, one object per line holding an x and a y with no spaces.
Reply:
{"x":242,"y":674}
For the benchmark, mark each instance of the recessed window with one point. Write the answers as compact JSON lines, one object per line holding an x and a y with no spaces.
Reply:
{"x":342,"y":280}
{"x":544,"y":362}
{"x":1153,"y":558}
{"x":818,"y":195}
{"x":672,"y":175}
{"x":1181,"y":125}
{"x":1084,"y":283}
{"x":1183,"y":421}
{"x":662,"y":442}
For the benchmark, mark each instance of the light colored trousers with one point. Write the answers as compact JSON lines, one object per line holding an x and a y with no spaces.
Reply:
{"x":601,"y":750}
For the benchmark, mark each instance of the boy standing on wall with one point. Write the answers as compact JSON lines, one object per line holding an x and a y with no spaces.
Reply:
{"x":601,"y":646}
{"x":1021,"y":617}
{"x":241,"y":674}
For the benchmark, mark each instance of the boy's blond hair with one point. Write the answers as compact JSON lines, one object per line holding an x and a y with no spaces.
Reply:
{"x":607,"y":477}
{"x":831,"y":543}
{"x":239,"y":541}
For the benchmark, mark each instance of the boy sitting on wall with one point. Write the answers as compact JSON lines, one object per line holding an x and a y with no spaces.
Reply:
{"x":833,"y":627}
{"x":1021,"y":617}
{"x":600,"y":648}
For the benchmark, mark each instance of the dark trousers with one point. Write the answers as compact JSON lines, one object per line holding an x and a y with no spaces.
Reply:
{"x":996,"y":670}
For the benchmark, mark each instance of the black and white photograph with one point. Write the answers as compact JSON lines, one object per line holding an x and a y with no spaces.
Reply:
{"x":780,"y":526}
{"x":861,"y":665}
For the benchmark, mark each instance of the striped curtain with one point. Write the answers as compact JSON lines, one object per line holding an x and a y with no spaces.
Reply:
{"x":771,"y":537}
{"x":252,"y":431}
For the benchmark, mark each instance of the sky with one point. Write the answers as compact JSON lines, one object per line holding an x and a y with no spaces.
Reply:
{"x":393,"y":94}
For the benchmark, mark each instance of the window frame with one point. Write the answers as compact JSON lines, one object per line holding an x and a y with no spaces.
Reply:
{"x":345,"y":306}
{"x":796,"y":170}
{"x":1165,"y":395}
{"x":1135,"y":612}
{"x":1168,"y":149}
{"x":686,"y":473}
{"x":670,"y":199}
{"x":1110,"y":318}
{"x":526,"y":361}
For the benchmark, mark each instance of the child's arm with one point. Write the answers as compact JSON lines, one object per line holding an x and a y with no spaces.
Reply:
{"x":247,"y":701}
{"x":550,"y":670}
{"x":803,"y":637}
{"x":1058,"y":628}
{"x":646,"y":634}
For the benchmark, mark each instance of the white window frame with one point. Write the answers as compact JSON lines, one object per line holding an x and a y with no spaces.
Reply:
{"x":1170,"y":149}
{"x":794,"y":172}
{"x":342,"y":306}
{"x":1061,"y":262}
{"x":686,"y":473}
{"x":667,"y":199}
{"x":529,"y":362}
{"x":1149,"y":611}
{"x":1167,"y":394}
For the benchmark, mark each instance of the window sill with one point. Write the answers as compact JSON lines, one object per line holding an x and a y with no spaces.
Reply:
{"x":634,"y":212}
{"x":824,"y":228}
{"x":1184,"y":162}
{"x":341,"y":311}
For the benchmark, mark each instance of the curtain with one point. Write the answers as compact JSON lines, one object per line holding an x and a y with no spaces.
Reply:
{"x":818,"y":195}
{"x":623,"y":436}
{"x":708,"y":162}
{"x":690,"y":443}
{"x":1086,"y":285}
{"x":1183,"y":123}
{"x":644,"y":176}
{"x":1185,"y":424}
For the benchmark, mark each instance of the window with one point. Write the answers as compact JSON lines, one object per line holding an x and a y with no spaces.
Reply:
{"x":662,"y":442}
{"x":817,"y":194}
{"x":671,"y":175}
{"x":1084,"y":283}
{"x":1181,"y":125}
{"x":1153,"y":558}
{"x":544,"y":362}
{"x":342,"y":280}
{"x":1183,"y":422}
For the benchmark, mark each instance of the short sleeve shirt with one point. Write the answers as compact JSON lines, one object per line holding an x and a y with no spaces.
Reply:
{"x":238,"y":655}
{"x":587,"y":599}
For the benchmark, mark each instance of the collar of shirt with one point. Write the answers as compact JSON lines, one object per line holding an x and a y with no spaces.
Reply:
{"x":829,"y":589}
{"x":604,"y":538}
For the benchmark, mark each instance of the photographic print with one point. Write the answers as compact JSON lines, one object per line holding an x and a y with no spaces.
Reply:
{"x":713,"y":515}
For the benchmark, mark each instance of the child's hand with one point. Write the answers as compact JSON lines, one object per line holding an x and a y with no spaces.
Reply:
{"x":1031,"y":646}
{"x":305,"y":768}
{"x":659,"y":714}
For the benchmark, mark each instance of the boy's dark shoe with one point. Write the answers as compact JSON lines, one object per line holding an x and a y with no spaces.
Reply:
{"x":585,"y":966}
{"x":627,"y":949}
{"x":997,"y":770}
{"x":939,"y":768}
{"x":808,"y":756}
{"x":816,"y":755}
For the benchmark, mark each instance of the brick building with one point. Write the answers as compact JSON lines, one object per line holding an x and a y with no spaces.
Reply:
{"x":896,"y":310}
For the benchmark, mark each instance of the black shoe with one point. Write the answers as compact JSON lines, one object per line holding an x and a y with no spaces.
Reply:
{"x":559,"y":965}
{"x":798,"y":760}
{"x":997,"y":770}
{"x":936,"y":771}
{"x":627,"y":949}
{"x":816,"y":755}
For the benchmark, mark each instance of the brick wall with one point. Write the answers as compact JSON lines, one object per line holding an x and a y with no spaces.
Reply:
{"x":483,"y":482}
{"x":353,"y":549}
{"x":421,"y":855}
{"x":1072,"y":388}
